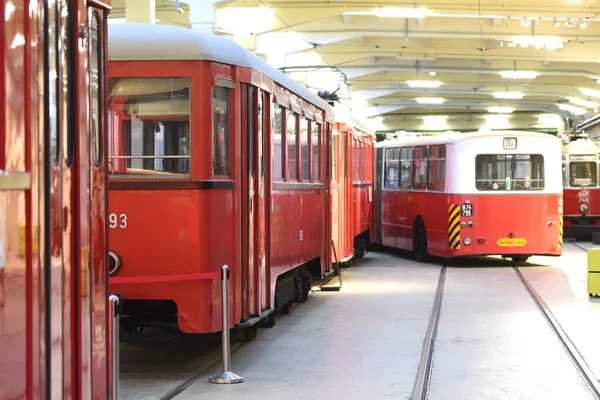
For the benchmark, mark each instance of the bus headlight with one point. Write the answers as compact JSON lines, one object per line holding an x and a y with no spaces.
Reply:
{"x":583,"y":208}
{"x":114,"y":263}
{"x":467,"y":241}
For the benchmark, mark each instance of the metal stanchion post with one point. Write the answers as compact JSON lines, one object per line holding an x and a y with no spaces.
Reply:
{"x":226,"y":376}
{"x":115,"y":301}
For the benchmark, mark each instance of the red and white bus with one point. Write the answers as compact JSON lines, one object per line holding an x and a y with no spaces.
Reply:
{"x":581,"y":191}
{"x":479,"y":193}
{"x":351,"y":186}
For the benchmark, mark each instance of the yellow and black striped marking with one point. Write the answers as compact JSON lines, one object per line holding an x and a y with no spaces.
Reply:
{"x":454,"y":226}
{"x":560,"y":232}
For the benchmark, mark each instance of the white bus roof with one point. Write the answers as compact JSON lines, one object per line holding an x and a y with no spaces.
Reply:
{"x":454,"y":137}
{"x":131,"y":42}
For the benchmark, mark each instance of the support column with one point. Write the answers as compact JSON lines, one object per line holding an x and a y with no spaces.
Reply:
{"x":140,"y":11}
{"x":203,"y":15}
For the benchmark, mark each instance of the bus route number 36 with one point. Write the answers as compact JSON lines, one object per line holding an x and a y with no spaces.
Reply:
{"x":117,"y":220}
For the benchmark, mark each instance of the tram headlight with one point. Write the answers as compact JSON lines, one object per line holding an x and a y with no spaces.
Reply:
{"x":583,"y":208}
{"x":114,"y":263}
{"x":467,"y":241}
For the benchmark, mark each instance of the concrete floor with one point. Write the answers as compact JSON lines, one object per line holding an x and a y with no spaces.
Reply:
{"x":365,"y":341}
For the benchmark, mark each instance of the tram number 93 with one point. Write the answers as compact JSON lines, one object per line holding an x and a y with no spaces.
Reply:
{"x":119,"y":220}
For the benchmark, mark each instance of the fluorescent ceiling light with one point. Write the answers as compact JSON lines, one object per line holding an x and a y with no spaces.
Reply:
{"x":424,"y":84}
{"x":572,"y":109}
{"x":519,"y":74}
{"x":508,"y":95}
{"x":590,"y":92}
{"x":583,"y":103}
{"x":430,"y":100}
{"x":400,"y":12}
{"x":501,"y":110}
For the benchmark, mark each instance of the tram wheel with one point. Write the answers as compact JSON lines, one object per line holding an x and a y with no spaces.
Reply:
{"x":420,"y":241}
{"x":520,"y":258}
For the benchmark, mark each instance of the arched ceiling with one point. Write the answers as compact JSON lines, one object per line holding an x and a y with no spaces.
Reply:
{"x":464,"y":45}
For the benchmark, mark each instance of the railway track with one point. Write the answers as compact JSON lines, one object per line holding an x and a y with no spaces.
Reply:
{"x":423,"y":379}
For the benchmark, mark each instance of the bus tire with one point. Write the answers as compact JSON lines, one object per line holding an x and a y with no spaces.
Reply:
{"x":519,"y":258}
{"x":420,"y":240}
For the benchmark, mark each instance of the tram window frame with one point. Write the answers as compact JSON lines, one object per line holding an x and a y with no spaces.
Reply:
{"x":593,"y":170}
{"x":278,"y":130}
{"x":436,"y":168}
{"x":500,"y":184}
{"x":292,"y":132}
{"x":362,"y":162}
{"x":316,"y":130}
{"x":221,"y":148}
{"x":53,"y":97}
{"x":391,"y":161}
{"x":161,"y":141}
{"x":66,"y":83}
{"x":334,"y":160}
{"x":96,"y":95}
{"x":420,"y":157}
{"x":305,"y":135}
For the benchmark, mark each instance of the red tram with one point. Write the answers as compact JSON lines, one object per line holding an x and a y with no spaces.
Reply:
{"x":53,"y":280}
{"x":351,"y":186}
{"x":580,"y":187}
{"x":481,"y":193}
{"x":215,"y":158}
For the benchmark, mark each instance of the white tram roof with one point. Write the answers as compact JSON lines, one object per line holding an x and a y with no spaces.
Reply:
{"x":581,"y":146}
{"x":130,"y":42}
{"x":342,"y":114}
{"x":452,"y":137}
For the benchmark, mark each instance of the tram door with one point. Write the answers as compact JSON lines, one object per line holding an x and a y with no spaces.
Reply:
{"x":254,"y":189}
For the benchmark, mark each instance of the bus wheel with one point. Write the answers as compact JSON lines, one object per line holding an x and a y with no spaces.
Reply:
{"x":519,"y":258}
{"x":420,"y":241}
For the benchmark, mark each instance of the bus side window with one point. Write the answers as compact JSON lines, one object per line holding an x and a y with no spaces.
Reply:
{"x":437,"y":168}
{"x":391,"y":169}
{"x":405,"y":168}
{"x":420,"y":166}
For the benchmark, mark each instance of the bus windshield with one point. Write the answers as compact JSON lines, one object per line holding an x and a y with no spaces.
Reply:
{"x":582,"y":174}
{"x":149,"y":128}
{"x":509,"y":172}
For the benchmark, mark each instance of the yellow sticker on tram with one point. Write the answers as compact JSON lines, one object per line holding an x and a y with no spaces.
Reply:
{"x":514,"y":242}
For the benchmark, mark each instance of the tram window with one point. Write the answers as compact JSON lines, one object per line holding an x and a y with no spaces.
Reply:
{"x":53,"y":61}
{"x":292,"y":139}
{"x":583,"y":174}
{"x":316,"y":152}
{"x":305,"y":139}
{"x":220,"y":131}
{"x":152,"y":140}
{"x":391,"y":168}
{"x":334,"y":144}
{"x":361,"y":166}
{"x":509,"y":172}
{"x":96,"y":97}
{"x":406,"y":168}
{"x":67,"y":76}
{"x":420,"y":168}
{"x":278,"y":143}
{"x":564,"y":174}
{"x":437,"y":168}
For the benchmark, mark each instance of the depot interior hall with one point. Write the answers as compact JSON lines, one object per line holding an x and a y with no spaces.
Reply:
{"x":419,"y":66}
